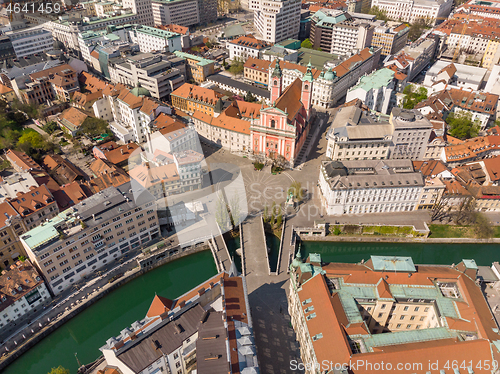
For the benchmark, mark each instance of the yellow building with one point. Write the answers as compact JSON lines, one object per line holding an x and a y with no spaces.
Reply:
{"x":190,"y":98}
{"x":198,"y":68}
{"x":491,"y":54}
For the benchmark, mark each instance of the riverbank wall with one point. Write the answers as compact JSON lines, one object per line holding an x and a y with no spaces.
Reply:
{"x":391,"y":239}
{"x":110,"y":287}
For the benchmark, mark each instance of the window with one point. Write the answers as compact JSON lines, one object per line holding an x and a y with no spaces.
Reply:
{"x":405,"y":308}
{"x":422,"y":319}
{"x":412,"y":318}
{"x":398,"y":326}
{"x":380,"y":315}
{"x":402,"y":317}
{"x":176,"y":356}
{"x":408,"y":326}
{"x":383,"y":306}
{"x":417,"y":308}
{"x":426,"y":309}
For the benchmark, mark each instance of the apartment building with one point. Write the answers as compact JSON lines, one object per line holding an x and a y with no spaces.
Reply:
{"x":483,"y":9}
{"x":417,"y":309}
{"x":14,"y":183}
{"x":86,"y":236}
{"x":339,"y":32}
{"x":66,"y":30}
{"x":143,"y":9}
{"x":377,"y":90}
{"x":444,"y":73}
{"x":231,"y":129}
{"x":23,"y":290}
{"x":478,"y":40}
{"x":190,"y":98}
{"x":35,"y":206}
{"x":244,"y":47}
{"x":20,"y":161}
{"x":11,"y":227}
{"x":482,"y":106}
{"x":179,"y":12}
{"x":356,"y":134}
{"x":391,"y":37}
{"x":410,"y":11}
{"x":156,"y":72}
{"x":411,"y":134}
{"x":59,"y":83}
{"x":30,"y":41}
{"x":197,"y":68}
{"x":152,"y":39}
{"x":194,"y":331}
{"x":369,"y":186}
{"x":411,"y":60}
{"x":256,"y":71}
{"x":276,"y":20}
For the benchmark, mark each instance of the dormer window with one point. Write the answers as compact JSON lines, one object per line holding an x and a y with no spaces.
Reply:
{"x":19,"y":288}
{"x":4,"y":298}
{"x":13,"y":291}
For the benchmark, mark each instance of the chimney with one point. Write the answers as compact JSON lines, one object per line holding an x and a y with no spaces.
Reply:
{"x":121,"y":151}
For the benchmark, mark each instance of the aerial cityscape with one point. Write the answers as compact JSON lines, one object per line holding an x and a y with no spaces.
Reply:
{"x":249,"y":186}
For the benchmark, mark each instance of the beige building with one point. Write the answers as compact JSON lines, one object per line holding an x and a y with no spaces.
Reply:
{"x":92,"y":233}
{"x":11,"y":227}
{"x":389,"y":313}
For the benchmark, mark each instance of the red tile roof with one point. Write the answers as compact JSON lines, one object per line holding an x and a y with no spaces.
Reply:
{"x":30,"y":202}
{"x":121,"y":154}
{"x":190,"y":91}
{"x":21,"y":160}
{"x":250,"y":41}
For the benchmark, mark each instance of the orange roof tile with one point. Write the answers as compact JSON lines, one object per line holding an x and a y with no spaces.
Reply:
{"x":120,"y":154}
{"x":74,"y":116}
{"x":21,"y":160}
{"x":250,"y":41}
{"x":190,"y":91}
{"x":159,"y":306}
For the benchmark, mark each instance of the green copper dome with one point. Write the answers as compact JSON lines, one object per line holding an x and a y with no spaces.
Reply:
{"x":330,"y":75}
{"x":140,"y":91}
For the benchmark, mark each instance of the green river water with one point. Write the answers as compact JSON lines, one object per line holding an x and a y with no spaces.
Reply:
{"x":89,"y":330}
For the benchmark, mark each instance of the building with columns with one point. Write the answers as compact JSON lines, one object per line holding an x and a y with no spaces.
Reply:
{"x":283,"y":127}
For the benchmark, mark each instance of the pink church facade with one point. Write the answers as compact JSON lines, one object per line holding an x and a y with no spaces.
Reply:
{"x":284,"y":126}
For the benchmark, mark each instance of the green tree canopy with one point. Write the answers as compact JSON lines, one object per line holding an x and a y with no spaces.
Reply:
{"x":34,"y":139}
{"x":461,"y":126}
{"x":306,"y":44}
{"x":249,"y":97}
{"x":94,"y":127}
{"x":418,"y":27}
{"x":379,"y":14}
{"x":59,"y":370}
{"x":413,"y":96}
{"x":51,"y":127}
{"x":236,"y":66}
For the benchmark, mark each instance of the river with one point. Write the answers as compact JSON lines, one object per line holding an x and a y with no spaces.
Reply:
{"x":421,"y":253}
{"x":90,"y":329}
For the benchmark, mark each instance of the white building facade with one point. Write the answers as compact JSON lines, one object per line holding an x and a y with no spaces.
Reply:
{"x":276,"y":20}
{"x":356,"y":187}
{"x":178,"y":12}
{"x":410,"y":10}
{"x":30,"y":41}
{"x":143,"y":9}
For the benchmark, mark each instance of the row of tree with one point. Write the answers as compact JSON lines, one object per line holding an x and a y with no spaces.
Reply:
{"x":463,"y":214}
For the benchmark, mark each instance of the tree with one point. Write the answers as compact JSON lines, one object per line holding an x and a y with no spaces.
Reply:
{"x":250,"y":98}
{"x":221,"y":214}
{"x":379,"y":14}
{"x":482,"y":226}
{"x":306,"y":44}
{"x":22,"y":258}
{"x":51,"y":127}
{"x":34,"y":139}
{"x":460,"y":125}
{"x":418,"y":27}
{"x":59,"y":370}
{"x":413,"y":97}
{"x":265,"y":216}
{"x":236,"y":66}
{"x":441,"y":209}
{"x":465,"y":213}
{"x":279,"y":219}
{"x":94,"y":127}
{"x":209,"y":44}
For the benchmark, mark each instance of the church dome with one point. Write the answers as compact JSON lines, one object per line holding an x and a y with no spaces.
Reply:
{"x":140,"y":91}
{"x":329,"y":75}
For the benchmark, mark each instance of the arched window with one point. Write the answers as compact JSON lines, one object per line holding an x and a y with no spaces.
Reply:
{"x":275,"y":83}
{"x":306,"y":87}
{"x":273,"y":123}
